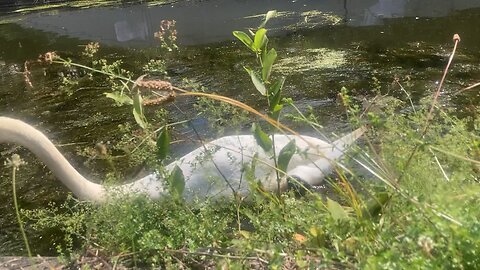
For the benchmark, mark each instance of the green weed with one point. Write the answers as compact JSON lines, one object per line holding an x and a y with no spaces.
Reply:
{"x":409,"y":200}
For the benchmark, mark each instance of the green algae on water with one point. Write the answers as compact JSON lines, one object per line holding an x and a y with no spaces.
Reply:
{"x":311,"y":60}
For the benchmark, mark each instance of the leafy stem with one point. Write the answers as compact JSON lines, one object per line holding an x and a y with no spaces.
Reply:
{"x":110,"y":74}
{"x":265,"y":86}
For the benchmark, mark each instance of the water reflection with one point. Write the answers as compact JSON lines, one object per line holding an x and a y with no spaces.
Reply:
{"x":201,"y":22}
{"x":385,"y":9}
{"x":126,"y":30}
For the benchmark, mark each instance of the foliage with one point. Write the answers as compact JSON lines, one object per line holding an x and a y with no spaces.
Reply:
{"x":123,"y":89}
{"x":428,"y":218}
{"x":220,"y":115}
{"x":403,"y":235}
{"x":268,"y":87}
{"x":70,"y":218}
{"x":167,"y":35}
{"x":395,"y":210}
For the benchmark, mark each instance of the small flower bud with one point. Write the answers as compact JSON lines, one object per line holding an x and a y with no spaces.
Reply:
{"x":456,"y":38}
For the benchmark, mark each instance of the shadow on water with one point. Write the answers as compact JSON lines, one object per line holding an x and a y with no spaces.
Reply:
{"x":322,"y":46}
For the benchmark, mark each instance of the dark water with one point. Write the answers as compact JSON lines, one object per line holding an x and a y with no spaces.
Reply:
{"x":322,"y":46}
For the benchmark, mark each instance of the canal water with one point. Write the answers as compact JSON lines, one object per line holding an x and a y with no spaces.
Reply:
{"x":322,"y":46}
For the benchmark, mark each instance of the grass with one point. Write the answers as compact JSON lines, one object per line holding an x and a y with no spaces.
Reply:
{"x":407,"y":199}
{"x":430,"y":220}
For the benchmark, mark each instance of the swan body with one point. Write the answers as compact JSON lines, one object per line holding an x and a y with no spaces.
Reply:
{"x":212,"y":170}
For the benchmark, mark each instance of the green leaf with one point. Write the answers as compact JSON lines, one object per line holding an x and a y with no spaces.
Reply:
{"x":138,"y":111}
{"x":374,"y":206}
{"x":243,"y":37}
{"x":277,"y":86}
{"x":270,"y":14}
{"x":275,"y":111}
{"x":336,"y":210}
{"x":285,"y":155}
{"x":262,"y":138}
{"x":267,"y":64}
{"x":257,"y":82}
{"x":275,"y":92}
{"x":163,"y":143}
{"x":176,"y":181}
{"x":260,"y":39}
{"x":119,"y":98}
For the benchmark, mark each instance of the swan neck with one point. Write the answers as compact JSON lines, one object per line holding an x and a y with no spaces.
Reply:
{"x":15,"y":131}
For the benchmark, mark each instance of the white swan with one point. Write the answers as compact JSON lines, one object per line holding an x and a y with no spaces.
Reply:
{"x":210,"y":170}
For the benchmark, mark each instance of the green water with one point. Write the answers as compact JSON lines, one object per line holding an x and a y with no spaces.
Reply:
{"x":317,"y":63}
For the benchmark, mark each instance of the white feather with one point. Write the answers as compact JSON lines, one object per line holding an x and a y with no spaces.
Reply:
{"x":212,"y":170}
